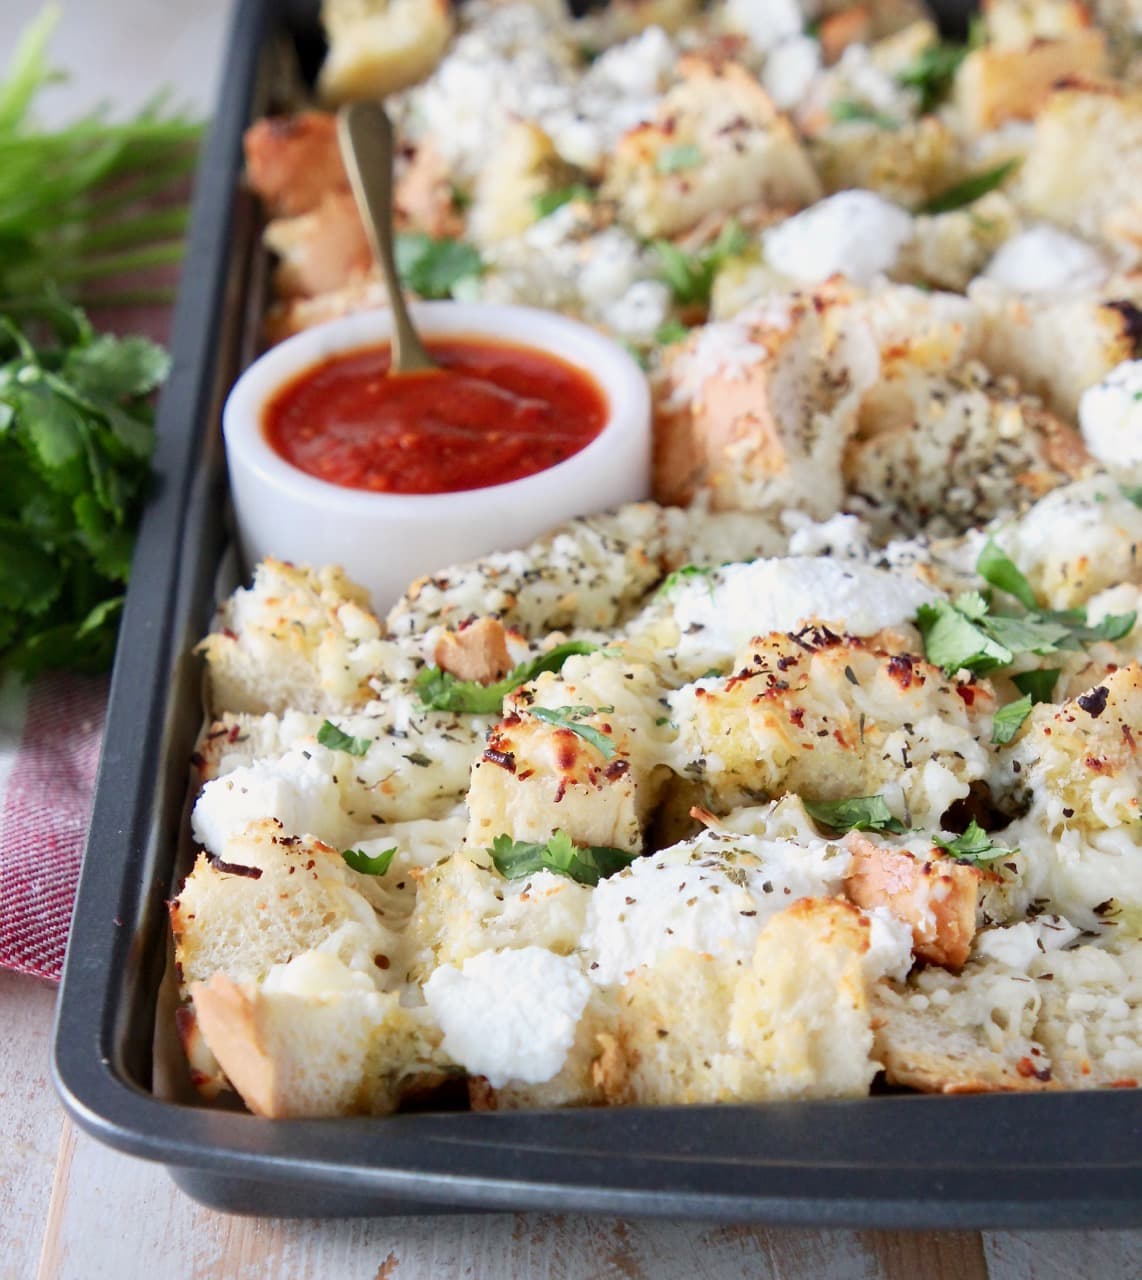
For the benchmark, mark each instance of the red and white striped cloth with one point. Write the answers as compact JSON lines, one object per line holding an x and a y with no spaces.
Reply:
{"x":50,"y":736}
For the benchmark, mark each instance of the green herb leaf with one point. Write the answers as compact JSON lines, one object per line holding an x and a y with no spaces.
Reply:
{"x":547,"y":202}
{"x":1009,"y":720}
{"x":441,"y":691}
{"x":678,"y":158}
{"x":954,"y":640}
{"x":860,"y":813}
{"x":997,"y":569}
{"x":584,"y":864}
{"x":672,"y":331}
{"x":970,"y":189}
{"x":974,"y":847}
{"x":932,"y":73}
{"x":337,"y":740}
{"x":1039,"y":684}
{"x":433,"y":268}
{"x":684,"y":574}
{"x":691,"y":275}
{"x":848,"y":109}
{"x":370,"y":865}
{"x":569,"y":718}
{"x":1133,"y":493}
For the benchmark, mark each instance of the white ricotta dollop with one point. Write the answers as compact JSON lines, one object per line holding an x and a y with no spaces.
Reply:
{"x":1046,"y":260}
{"x":842,"y":536}
{"x":857,"y":234}
{"x":297,"y":789}
{"x":790,"y":69}
{"x":641,"y":311}
{"x":1110,"y":414}
{"x":712,"y":894}
{"x":767,"y":23}
{"x":509,"y":1015}
{"x":889,"y":953}
{"x":719,"y":613}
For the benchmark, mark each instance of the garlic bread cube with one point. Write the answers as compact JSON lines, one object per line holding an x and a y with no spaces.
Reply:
{"x":908,"y":164}
{"x":716,"y":144}
{"x":378,"y":47}
{"x":524,"y":166}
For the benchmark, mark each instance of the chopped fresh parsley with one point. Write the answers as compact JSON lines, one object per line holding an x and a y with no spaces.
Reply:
{"x":672,"y":331}
{"x":369,"y":865}
{"x":570,"y":717}
{"x":433,"y":268}
{"x":691,"y":275}
{"x":847,"y":109}
{"x":686,"y":572}
{"x":1133,"y":493}
{"x":998,"y":570}
{"x":678,"y":158}
{"x":966,"y":635}
{"x":932,"y":73}
{"x":1039,"y":684}
{"x":338,"y":740}
{"x":970,"y":189}
{"x":859,"y":813}
{"x":974,"y":847}
{"x":1009,"y":720}
{"x":547,"y":202}
{"x":442,"y":691}
{"x":587,"y":865}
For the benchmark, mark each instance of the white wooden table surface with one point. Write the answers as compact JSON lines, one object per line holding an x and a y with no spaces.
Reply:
{"x":71,"y":1209}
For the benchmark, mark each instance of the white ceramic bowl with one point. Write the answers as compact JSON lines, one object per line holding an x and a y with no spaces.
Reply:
{"x":384,"y":540}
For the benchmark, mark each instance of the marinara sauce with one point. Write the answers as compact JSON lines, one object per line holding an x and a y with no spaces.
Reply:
{"x":493,"y":412}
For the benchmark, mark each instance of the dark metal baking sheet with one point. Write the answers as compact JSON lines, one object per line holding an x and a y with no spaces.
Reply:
{"x":902,"y":1161}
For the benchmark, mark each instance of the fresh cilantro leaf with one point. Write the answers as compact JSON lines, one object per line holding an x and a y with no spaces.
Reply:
{"x":369,"y":865}
{"x":584,"y":864}
{"x":970,"y":189}
{"x":569,"y":717}
{"x":337,"y":740}
{"x":974,"y":847}
{"x":954,"y":640}
{"x":673,"y":331}
{"x":433,"y":268}
{"x":859,"y":813}
{"x":1113,"y":627}
{"x":678,"y":158}
{"x":691,"y":275}
{"x":116,"y":368}
{"x":848,"y":109}
{"x":441,"y":691}
{"x":997,"y":569}
{"x":1039,"y":684}
{"x":932,"y":73}
{"x":1009,"y":720}
{"x":548,"y":201}
{"x":1031,"y":633}
{"x":1133,"y":493}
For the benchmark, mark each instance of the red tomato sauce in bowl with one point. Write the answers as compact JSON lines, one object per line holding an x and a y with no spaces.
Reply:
{"x":494,"y":412}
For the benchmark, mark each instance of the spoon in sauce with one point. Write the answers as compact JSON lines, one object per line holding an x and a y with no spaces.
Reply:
{"x":365,"y":135}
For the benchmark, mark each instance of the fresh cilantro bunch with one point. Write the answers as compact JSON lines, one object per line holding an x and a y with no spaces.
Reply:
{"x":584,"y":864}
{"x":75,"y":448}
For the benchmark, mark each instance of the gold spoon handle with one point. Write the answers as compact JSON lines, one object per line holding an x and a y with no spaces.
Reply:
{"x":365,"y":134}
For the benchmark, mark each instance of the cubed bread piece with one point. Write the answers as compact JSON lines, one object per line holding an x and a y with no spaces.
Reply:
{"x":378,"y":47}
{"x":971,"y":1032}
{"x":1081,"y":761}
{"x":333,"y":1051}
{"x":947,"y":453}
{"x":535,"y":777}
{"x":272,"y":897}
{"x":292,"y":162}
{"x":320,"y":250}
{"x":754,"y":413}
{"x":1056,"y":346}
{"x":948,"y":250}
{"x":293,"y":315}
{"x":425,"y":198}
{"x":831,"y":718}
{"x":793,"y":1024}
{"x":934,"y":894}
{"x":717,"y":143}
{"x":298,"y":638}
{"x":994,"y":85}
{"x":523,"y":167}
{"x":1019,"y":24}
{"x":621,"y":19}
{"x":909,"y":164}
{"x":1084,"y":169}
